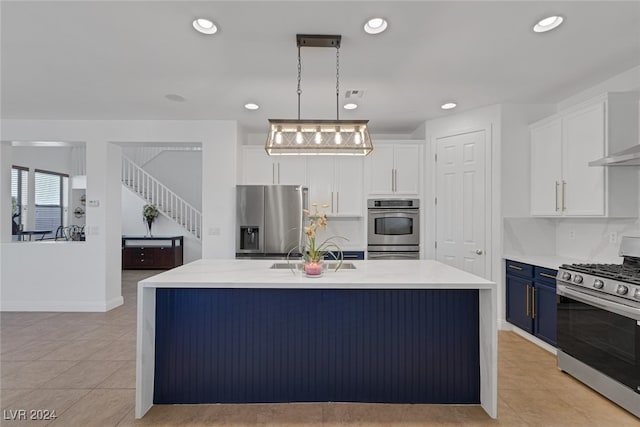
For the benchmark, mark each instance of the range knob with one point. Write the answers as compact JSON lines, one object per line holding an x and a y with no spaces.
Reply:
{"x":637,"y":294}
{"x":577,"y":279}
{"x":598,"y":284}
{"x":566,"y":276}
{"x":622,"y":290}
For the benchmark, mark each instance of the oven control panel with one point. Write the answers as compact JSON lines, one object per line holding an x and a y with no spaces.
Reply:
{"x":620,"y":289}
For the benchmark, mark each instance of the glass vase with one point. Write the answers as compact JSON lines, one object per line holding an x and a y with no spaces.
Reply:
{"x":314,"y":268}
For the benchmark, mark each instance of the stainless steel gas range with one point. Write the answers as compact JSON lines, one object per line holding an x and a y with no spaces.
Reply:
{"x":599,"y":325}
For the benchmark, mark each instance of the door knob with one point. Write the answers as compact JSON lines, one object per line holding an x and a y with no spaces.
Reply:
{"x":478,"y":251}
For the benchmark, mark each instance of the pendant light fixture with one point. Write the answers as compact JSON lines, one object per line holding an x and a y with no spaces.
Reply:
{"x":318,"y":137}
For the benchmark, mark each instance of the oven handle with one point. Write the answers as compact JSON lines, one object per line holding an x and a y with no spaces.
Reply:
{"x":621,"y":309}
{"x":393,"y":211}
{"x":379,"y":255}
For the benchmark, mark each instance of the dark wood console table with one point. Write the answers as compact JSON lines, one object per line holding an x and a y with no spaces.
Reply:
{"x":157,"y":252}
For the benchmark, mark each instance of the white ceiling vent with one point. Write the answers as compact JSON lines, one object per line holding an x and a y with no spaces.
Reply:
{"x":353,"y":94}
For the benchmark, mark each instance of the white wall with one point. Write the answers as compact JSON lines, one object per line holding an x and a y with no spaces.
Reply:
{"x":95,"y":285}
{"x":219,"y":164}
{"x":54,"y":159}
{"x":626,"y":81}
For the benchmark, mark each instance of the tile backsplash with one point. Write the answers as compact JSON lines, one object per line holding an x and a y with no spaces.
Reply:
{"x":593,"y":239}
{"x":589,"y":239}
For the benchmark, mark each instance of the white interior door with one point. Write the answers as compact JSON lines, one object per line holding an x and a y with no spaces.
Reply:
{"x":460,"y":209}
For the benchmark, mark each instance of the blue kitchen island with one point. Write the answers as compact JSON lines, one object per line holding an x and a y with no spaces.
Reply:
{"x":237,"y":331}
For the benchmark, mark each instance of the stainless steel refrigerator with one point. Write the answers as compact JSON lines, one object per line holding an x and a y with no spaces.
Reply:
{"x":269,"y":220}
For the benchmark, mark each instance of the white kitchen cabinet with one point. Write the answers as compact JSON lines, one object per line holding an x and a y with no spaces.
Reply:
{"x":338,"y":182}
{"x":583,"y":141}
{"x":393,"y":168}
{"x":260,"y":169}
{"x":562,"y":182}
{"x":546,"y":168}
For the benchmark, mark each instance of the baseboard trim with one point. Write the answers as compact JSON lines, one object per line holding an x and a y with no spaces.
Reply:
{"x":526,"y":335}
{"x":113,"y":303}
{"x":62,"y":306}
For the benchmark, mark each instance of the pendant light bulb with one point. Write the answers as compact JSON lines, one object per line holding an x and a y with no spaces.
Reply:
{"x":299,"y":136}
{"x":357,"y":138}
{"x":318,"y":136}
{"x":278,"y":137}
{"x":338,"y":138}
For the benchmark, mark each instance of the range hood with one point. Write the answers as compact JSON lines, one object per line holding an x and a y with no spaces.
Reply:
{"x":628,"y":157}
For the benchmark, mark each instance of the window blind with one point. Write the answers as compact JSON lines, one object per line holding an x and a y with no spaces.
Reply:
{"x":19,"y":190}
{"x":49,"y":200}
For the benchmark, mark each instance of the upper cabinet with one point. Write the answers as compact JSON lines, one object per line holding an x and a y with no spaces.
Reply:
{"x":393,"y":168}
{"x":338,"y":182}
{"x":562,"y":182}
{"x":260,"y":169}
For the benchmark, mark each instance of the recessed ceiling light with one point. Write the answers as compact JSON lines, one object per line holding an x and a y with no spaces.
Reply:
{"x":251,"y":106}
{"x":350,"y":106}
{"x":448,"y":105}
{"x":548,"y":24}
{"x":375,"y":25}
{"x":174,"y":97}
{"x":205,"y":26}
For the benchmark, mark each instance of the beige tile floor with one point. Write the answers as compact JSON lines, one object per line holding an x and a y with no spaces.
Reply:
{"x":82,"y":365}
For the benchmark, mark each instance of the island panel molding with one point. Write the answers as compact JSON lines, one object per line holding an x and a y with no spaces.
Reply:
{"x":316,"y":345}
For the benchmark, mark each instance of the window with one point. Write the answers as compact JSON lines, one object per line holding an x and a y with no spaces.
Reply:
{"x":19,"y":196}
{"x":50,"y":199}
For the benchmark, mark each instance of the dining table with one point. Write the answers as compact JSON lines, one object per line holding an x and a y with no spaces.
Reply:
{"x":31,"y":233}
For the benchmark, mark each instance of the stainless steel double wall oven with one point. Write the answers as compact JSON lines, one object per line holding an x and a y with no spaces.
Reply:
{"x":393,"y":229}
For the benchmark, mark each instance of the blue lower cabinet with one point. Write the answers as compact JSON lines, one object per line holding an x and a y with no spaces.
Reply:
{"x":316,"y":345}
{"x":545,"y":317}
{"x":518,"y":302}
{"x":531,"y":299}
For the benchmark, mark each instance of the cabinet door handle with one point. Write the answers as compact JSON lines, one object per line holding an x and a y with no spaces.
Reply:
{"x":273,"y":173}
{"x":515,"y":267}
{"x":332,"y":202}
{"x":527,"y":304}
{"x":337,"y":202}
{"x":557,"y":185}
{"x":533,"y":302}
{"x":278,"y":172}
{"x":564,"y":186}
{"x":393,"y":185}
{"x":547,"y":275}
{"x":395,"y":173}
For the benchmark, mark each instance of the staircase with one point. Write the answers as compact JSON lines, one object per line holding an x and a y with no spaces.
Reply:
{"x":154,"y":192}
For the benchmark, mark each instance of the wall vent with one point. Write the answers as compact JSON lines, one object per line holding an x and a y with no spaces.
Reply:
{"x":354,"y":93}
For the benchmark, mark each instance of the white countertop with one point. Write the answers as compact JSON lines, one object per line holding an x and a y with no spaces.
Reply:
{"x":547,"y":261}
{"x":401,"y":274}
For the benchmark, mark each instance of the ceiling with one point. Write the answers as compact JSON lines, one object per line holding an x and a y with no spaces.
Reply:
{"x":119,"y":59}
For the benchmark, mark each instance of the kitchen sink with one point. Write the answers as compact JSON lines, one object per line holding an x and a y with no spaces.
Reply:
{"x":328,"y":265}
